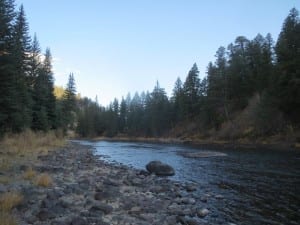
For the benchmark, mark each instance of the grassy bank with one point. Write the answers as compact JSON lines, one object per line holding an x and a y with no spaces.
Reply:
{"x":23,"y":150}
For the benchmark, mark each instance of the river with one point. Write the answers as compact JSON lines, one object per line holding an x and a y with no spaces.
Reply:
{"x":244,"y":187}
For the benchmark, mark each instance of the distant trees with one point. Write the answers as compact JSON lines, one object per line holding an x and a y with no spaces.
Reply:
{"x":250,"y":88}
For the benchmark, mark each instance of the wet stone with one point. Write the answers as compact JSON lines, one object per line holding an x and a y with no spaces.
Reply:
{"x":106,"y":209}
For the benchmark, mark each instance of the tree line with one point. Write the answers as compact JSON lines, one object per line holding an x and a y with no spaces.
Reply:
{"x":252,"y":89}
{"x":27,"y":99}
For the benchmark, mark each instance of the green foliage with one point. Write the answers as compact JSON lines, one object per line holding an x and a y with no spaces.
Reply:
{"x":287,"y":88}
{"x":247,"y":91}
{"x":69,"y":104}
{"x":26,"y":82}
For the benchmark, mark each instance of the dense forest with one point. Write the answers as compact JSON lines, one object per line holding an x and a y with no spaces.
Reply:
{"x":251,"y":90}
{"x":26,"y":79}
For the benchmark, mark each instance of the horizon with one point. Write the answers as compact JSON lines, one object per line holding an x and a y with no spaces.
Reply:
{"x":115,"y":49}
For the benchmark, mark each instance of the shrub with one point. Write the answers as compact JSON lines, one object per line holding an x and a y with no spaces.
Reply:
{"x":9,"y":200}
{"x":29,"y":174}
{"x":44,"y":180}
{"x":7,"y":219}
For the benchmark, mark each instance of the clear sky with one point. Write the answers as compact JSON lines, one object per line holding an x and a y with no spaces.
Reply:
{"x":118,"y":46}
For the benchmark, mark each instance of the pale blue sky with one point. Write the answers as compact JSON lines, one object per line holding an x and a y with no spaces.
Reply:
{"x":115,"y":47}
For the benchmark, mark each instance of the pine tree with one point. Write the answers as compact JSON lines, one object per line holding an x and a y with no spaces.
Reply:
{"x":123,"y":116}
{"x":177,"y":101}
{"x":238,"y":73}
{"x":159,"y":110}
{"x":7,"y":87}
{"x":34,"y":62}
{"x":43,"y":96}
{"x":50,"y":104}
{"x":21,"y":49}
{"x":69,"y":103}
{"x":288,"y":66}
{"x":191,"y":90}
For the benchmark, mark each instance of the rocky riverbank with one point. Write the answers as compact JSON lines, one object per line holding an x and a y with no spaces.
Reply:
{"x":86,"y":190}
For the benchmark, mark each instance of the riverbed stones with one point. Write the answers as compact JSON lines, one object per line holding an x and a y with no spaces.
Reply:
{"x":87,"y":190}
{"x":160,"y":169}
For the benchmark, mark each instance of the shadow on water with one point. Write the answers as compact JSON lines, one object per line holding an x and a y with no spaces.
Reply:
{"x":243,"y":187}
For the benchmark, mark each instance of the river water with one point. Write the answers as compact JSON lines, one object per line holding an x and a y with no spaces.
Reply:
{"x":244,"y":187}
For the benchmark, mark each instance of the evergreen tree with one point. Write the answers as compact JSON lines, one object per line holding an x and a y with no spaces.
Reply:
{"x":50,"y":104}
{"x":34,"y":62}
{"x":7,"y":85}
{"x":238,"y":74}
{"x":21,"y":49}
{"x":135,"y":115}
{"x":159,"y":111}
{"x":288,"y":65}
{"x":43,"y":97}
{"x":177,"y":101}
{"x":123,"y":116}
{"x":191,"y":90}
{"x":69,"y":103}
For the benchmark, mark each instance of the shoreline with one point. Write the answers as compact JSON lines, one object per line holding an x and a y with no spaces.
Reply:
{"x":209,"y":144}
{"x":87,"y":190}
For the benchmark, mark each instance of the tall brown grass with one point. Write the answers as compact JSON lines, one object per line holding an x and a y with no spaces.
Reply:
{"x":29,"y":174}
{"x":7,"y":219}
{"x":9,"y":200}
{"x":44,"y":180}
{"x":29,"y":142}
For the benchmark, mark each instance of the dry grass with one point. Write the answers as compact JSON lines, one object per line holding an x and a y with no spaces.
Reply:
{"x":29,"y":174}
{"x":26,"y":146}
{"x":7,"y":219}
{"x":30,"y":142}
{"x":23,"y":149}
{"x":5,"y":163}
{"x":9,"y":200}
{"x":44,"y":180}
{"x":5,"y":179}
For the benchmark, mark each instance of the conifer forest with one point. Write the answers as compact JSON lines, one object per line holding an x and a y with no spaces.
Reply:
{"x":251,"y":90}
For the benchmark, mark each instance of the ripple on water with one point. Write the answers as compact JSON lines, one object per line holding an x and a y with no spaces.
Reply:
{"x":257,"y":187}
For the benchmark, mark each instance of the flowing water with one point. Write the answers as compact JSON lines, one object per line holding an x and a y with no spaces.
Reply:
{"x":243,"y":187}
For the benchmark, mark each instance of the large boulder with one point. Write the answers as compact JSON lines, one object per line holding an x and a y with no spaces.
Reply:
{"x":160,"y":169}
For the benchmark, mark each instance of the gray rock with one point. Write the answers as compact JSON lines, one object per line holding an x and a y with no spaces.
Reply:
{"x":45,"y":214}
{"x":2,"y":188}
{"x":79,"y":221}
{"x":160,"y":169}
{"x":191,"y":188}
{"x":188,"y":201}
{"x":106,"y":209}
{"x":202,"y":212}
{"x":106,"y":194}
